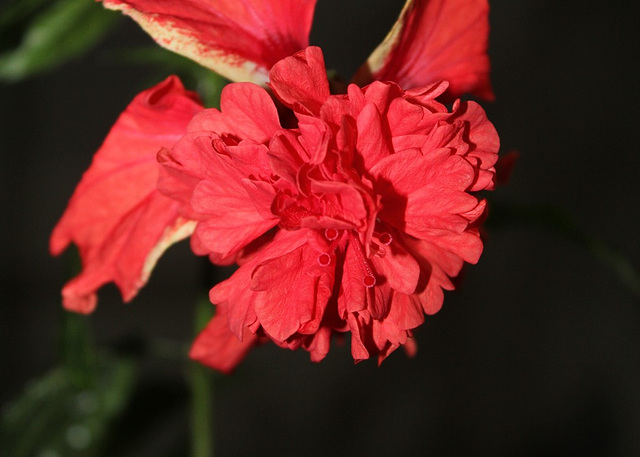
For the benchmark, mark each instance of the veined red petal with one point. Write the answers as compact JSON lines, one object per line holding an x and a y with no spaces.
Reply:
{"x":240,"y":39}
{"x":119,"y":221}
{"x":235,"y":291}
{"x":218,"y":347}
{"x":294,"y":292}
{"x":301,"y":80}
{"x":434,"y":40}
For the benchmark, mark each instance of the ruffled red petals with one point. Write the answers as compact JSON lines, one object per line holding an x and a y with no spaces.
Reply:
{"x":435,"y":40}
{"x":116,"y":216}
{"x":367,"y":201}
{"x":241,"y":40}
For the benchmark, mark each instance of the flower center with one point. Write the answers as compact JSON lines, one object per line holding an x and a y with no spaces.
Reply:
{"x":291,"y":217}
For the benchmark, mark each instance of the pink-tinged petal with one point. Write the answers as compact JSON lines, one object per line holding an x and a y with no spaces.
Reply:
{"x":397,"y":266}
{"x":434,"y":40}
{"x":319,"y":344}
{"x":379,"y":299}
{"x":382,"y":94}
{"x":212,"y":189}
{"x":285,"y":156}
{"x":235,"y":295}
{"x":425,"y":192}
{"x":119,"y":221}
{"x":232,"y":220}
{"x":248,"y":112}
{"x":407,"y":118}
{"x":406,"y":312}
{"x":374,"y":139}
{"x":241,"y":40}
{"x":441,"y":257}
{"x":351,"y":297}
{"x":478,"y":141}
{"x":217,"y":347}
{"x":301,"y":80}
{"x":294,"y":291}
{"x":341,"y":201}
{"x":358,"y":328}
{"x":235,"y":292}
{"x":314,"y":138}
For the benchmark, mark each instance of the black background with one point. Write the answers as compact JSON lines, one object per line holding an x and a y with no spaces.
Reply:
{"x":537,"y":353}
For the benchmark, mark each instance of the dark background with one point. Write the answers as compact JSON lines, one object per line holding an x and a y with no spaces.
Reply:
{"x":536,"y":354}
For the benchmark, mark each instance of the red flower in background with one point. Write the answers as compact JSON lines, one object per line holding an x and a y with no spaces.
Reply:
{"x":435,"y":40}
{"x":116,"y":216}
{"x":240,"y":40}
{"x":353,"y":221}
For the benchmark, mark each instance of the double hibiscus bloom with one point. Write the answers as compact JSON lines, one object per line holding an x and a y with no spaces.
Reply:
{"x":352,"y":217}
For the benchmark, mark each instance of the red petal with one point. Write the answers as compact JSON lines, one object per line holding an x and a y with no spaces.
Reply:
{"x":235,"y":292}
{"x":119,"y":221}
{"x":241,"y":40}
{"x":373,"y":139}
{"x":217,"y":347}
{"x":301,"y":80}
{"x":294,"y":291}
{"x":434,"y":40}
{"x":425,"y":192}
{"x":441,"y":257}
{"x":398,"y":267}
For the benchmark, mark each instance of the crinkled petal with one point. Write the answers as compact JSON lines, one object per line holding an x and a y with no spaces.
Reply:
{"x":434,"y":40}
{"x":232,"y":220}
{"x":398,"y":267}
{"x":240,"y":39}
{"x":301,"y":80}
{"x":294,"y":291}
{"x":236,"y":293}
{"x":374,"y":138}
{"x":247,"y":112}
{"x":441,"y":257}
{"x":423,"y":192}
{"x":212,"y":188}
{"x":217,"y":347}
{"x":116,"y":217}
{"x":479,"y":142}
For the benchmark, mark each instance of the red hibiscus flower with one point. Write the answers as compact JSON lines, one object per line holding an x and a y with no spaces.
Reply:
{"x":116,"y":216}
{"x":353,"y":221}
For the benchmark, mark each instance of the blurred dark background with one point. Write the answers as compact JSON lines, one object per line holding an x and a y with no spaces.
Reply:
{"x":536,"y":354}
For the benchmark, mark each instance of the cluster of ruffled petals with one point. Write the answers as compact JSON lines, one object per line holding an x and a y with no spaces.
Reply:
{"x":353,"y":221}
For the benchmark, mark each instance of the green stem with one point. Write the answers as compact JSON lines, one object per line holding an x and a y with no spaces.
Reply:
{"x":201,"y":385}
{"x":77,"y":350}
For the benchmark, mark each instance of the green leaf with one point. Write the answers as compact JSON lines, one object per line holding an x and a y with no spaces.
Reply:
{"x":63,"y":30}
{"x":53,"y":417}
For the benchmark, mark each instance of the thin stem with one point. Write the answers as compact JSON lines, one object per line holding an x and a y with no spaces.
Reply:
{"x":77,"y":350}
{"x":201,"y":385}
